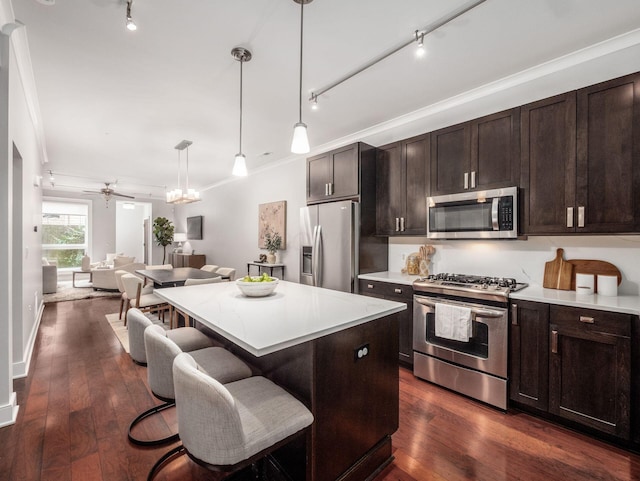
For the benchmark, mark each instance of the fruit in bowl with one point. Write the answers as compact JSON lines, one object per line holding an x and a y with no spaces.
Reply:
{"x":257,"y":286}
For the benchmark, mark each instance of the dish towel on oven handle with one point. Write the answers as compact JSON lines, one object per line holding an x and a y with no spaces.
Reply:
{"x":453,"y":322}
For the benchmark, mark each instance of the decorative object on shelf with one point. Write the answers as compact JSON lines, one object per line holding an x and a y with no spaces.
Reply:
{"x":272,"y":243}
{"x":272,"y":217}
{"x":300,"y":142}
{"x":242,"y":55}
{"x":179,"y":237}
{"x":426,"y":252}
{"x":163,"y":234}
{"x":177,"y":195}
{"x":262,"y":258}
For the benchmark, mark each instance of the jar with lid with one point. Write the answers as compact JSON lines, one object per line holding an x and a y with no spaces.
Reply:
{"x":413,"y":264}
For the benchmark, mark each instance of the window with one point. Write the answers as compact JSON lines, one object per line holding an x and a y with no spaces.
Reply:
{"x":65,"y":232}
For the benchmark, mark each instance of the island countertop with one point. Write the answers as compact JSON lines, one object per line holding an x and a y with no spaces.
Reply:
{"x":292,"y":315}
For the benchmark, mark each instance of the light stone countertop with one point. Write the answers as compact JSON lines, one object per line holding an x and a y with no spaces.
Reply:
{"x":391,"y":277}
{"x":293,"y":314}
{"x":623,"y":304}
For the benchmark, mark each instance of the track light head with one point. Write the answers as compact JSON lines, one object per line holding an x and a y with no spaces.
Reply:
{"x":130,"y":23}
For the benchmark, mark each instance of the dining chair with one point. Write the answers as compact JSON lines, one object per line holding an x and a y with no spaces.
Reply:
{"x":227,"y":427}
{"x":209,"y":267}
{"x":217,"y":362}
{"x":174,"y":312}
{"x":227,"y":271}
{"x":141,"y":297}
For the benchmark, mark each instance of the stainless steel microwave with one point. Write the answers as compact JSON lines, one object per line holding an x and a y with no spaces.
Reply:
{"x":482,"y":214}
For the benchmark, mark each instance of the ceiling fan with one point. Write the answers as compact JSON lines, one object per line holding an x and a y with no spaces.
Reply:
{"x":107,"y":192}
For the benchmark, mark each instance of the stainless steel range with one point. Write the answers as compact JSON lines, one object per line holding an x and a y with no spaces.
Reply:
{"x":460,"y":333}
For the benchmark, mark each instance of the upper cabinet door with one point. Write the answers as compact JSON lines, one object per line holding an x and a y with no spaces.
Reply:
{"x":548,"y":163}
{"x":319,"y":174}
{"x":495,"y":150}
{"x":416,"y":172}
{"x":450,"y":155}
{"x":608,"y":156}
{"x":389,"y":188}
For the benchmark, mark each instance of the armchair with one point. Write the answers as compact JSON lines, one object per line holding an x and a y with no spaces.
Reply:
{"x":49,"y":277}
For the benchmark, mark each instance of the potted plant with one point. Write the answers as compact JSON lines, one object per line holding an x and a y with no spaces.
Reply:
{"x":163,"y":233}
{"x":272,"y":242}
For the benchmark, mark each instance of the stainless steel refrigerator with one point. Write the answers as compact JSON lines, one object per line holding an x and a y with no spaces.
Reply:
{"x":335,"y":247}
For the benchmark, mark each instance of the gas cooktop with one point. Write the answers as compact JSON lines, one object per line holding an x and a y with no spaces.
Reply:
{"x":472,"y":286}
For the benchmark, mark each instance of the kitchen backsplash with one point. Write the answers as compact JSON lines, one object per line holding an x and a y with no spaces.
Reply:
{"x":523,"y":260}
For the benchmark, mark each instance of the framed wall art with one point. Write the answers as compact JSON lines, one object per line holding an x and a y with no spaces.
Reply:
{"x":272,"y":217}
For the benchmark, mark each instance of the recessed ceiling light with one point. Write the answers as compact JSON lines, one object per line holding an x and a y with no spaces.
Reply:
{"x":47,"y":2}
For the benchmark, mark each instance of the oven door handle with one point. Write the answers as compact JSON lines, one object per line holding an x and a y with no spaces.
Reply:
{"x":474,"y":310}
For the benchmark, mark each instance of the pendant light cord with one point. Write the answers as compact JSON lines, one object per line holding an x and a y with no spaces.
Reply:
{"x":301,"y":36}
{"x":240,"y":146}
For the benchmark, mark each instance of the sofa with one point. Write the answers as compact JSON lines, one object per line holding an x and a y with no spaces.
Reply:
{"x":49,"y":277}
{"x":104,"y":278}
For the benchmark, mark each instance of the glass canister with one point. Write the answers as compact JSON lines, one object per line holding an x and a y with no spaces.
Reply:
{"x":413,"y":264}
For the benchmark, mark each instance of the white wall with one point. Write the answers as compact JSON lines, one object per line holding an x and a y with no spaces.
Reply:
{"x":130,"y":228}
{"x":230,"y":211}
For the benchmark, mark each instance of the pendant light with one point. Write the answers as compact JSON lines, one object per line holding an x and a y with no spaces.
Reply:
{"x":178,"y":196}
{"x":300,"y":142}
{"x":242,"y":55}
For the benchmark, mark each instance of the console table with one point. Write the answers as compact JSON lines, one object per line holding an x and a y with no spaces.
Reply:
{"x":177,"y":259}
{"x":267,"y":266}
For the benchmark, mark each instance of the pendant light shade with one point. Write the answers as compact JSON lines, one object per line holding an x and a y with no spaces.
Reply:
{"x":240,"y":166}
{"x":242,"y":55}
{"x":300,"y":142}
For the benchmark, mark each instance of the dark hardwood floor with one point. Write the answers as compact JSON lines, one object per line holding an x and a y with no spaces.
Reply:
{"x":83,"y":390}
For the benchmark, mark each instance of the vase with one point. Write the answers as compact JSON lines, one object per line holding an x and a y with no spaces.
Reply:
{"x":271,"y":258}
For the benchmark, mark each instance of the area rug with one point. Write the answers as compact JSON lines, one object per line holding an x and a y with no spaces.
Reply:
{"x":66,"y":292}
{"x":122,"y":332}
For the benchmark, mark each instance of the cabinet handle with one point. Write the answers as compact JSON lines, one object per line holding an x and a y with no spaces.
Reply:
{"x":326,"y":189}
{"x":587,"y":320}
{"x":397,"y":291}
{"x":473,"y":179}
{"x":569,"y":216}
{"x":401,"y":224}
{"x":554,"y":342}
{"x":466,"y":180}
{"x":397,"y":224}
{"x":369,"y":286}
{"x":581,"y":216}
{"x":514,"y":314}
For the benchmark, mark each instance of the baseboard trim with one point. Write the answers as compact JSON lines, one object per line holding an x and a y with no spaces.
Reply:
{"x":9,"y":412}
{"x":21,"y":368}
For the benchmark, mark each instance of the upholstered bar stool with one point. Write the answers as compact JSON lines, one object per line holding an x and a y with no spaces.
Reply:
{"x":161,"y":351}
{"x":228,"y":427}
{"x":187,"y":338}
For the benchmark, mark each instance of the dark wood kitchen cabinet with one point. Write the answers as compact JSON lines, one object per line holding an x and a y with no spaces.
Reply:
{"x":589,"y":368}
{"x":481,"y":154}
{"x":402,"y":170}
{"x":581,"y":160}
{"x":398,"y":293}
{"x":529,"y":354}
{"x":336,"y":175}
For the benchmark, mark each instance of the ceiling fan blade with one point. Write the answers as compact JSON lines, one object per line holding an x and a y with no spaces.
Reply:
{"x":122,"y":195}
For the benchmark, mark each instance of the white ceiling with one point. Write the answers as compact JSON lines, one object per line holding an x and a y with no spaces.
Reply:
{"x":114,"y":103}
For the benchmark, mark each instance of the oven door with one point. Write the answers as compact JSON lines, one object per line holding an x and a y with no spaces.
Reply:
{"x":486,"y":351}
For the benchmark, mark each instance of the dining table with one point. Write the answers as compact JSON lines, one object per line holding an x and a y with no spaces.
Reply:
{"x":176,"y":277}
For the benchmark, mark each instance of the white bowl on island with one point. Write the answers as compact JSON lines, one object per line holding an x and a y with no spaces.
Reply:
{"x":257,"y":288}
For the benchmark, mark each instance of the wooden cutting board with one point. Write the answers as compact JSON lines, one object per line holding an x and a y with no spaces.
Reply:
{"x":558,"y":273}
{"x":588,"y":266}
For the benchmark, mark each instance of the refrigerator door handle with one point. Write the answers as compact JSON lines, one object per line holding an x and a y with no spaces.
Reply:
{"x":317,"y":256}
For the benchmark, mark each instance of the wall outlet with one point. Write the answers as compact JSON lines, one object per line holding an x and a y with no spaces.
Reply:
{"x":361,"y":352}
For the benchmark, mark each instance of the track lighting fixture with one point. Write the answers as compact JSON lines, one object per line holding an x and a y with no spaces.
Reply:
{"x":130,"y":23}
{"x":314,"y":102}
{"x":417,"y":37}
{"x":300,"y":142}
{"x":420,"y":51}
{"x":242,"y":55}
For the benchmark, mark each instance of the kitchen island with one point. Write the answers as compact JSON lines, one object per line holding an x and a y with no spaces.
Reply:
{"x":336,"y":352}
